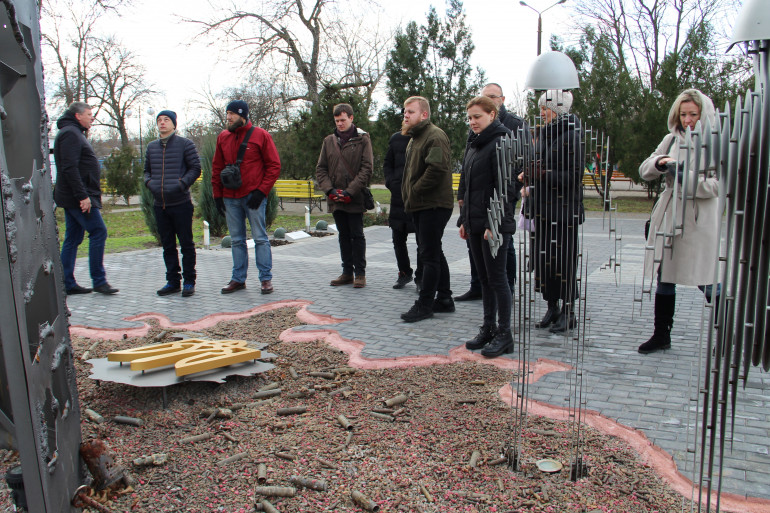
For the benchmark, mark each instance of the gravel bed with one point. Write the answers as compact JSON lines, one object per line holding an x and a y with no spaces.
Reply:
{"x":413,"y":456}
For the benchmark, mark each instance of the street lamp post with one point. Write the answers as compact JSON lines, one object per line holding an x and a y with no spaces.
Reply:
{"x":540,"y":20}
{"x":150,"y":111}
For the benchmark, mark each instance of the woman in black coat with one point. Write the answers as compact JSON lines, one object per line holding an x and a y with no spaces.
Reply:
{"x":478,"y":183}
{"x":557,"y":202}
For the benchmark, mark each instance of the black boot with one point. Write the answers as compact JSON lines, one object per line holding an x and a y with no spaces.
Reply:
{"x":551,"y":315}
{"x":501,"y":344}
{"x":664,"y":320}
{"x":566,"y":319}
{"x":485,"y":336}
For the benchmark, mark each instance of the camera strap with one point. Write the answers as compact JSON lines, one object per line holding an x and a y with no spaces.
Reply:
{"x":242,"y":148}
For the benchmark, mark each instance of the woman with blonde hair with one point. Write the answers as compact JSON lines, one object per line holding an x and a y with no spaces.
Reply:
{"x":687,"y":257}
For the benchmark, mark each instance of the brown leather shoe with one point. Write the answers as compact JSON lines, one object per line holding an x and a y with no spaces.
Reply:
{"x":233,"y":286}
{"x":342,"y":279}
{"x":359,"y":282}
{"x":267,"y":287}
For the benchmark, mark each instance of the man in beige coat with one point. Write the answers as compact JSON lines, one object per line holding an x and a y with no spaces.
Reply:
{"x":343,"y":172}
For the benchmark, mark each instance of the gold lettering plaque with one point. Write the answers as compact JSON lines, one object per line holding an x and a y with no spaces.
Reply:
{"x":187,"y":356}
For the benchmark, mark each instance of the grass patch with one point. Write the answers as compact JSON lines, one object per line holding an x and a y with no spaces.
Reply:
{"x":127,"y":231}
{"x":623,"y":204}
{"x":381,"y":195}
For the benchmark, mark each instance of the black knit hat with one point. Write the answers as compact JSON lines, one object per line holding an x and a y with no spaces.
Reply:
{"x":170,"y":113}
{"x":239,"y":107}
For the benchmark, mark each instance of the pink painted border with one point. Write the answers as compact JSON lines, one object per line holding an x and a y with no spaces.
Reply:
{"x":651,"y":454}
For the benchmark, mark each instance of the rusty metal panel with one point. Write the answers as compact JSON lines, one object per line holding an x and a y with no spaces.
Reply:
{"x":40,"y":415}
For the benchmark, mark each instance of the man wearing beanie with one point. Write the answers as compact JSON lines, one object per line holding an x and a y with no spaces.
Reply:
{"x":260,"y":167}
{"x":343,"y":172}
{"x":171,"y":166}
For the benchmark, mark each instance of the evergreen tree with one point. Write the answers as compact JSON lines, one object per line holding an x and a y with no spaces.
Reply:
{"x":123,"y":172}
{"x":207,"y":208}
{"x":433,"y":60}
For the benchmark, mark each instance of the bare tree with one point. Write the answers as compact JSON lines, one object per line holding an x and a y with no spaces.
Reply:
{"x":266,"y":107}
{"x":294,"y":35}
{"x":645,"y":32}
{"x":69,"y":31}
{"x":118,"y":84}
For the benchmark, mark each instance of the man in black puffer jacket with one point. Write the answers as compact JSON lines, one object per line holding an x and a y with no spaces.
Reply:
{"x":171,"y":166}
{"x":79,"y":193}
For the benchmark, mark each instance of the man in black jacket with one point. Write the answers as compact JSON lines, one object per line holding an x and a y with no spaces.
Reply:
{"x":400,"y":222}
{"x":171,"y":166}
{"x":79,"y":193}
{"x":517,"y":126}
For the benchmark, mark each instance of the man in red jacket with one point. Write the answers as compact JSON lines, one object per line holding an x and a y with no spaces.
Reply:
{"x":259,"y":169}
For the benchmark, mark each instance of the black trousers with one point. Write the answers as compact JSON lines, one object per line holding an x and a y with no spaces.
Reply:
{"x":174,"y":223}
{"x":352,"y":242}
{"x":435,"y":281}
{"x":492,"y":273}
{"x":556,"y":252}
{"x":510,"y":267}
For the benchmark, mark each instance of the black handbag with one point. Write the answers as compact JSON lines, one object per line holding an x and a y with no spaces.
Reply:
{"x":231,"y":174}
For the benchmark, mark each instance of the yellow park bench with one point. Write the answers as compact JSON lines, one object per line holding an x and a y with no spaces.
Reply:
{"x":299,"y":189}
{"x":456,"y":181}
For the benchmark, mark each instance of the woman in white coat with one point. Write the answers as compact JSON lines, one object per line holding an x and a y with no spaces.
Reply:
{"x":689,"y":257}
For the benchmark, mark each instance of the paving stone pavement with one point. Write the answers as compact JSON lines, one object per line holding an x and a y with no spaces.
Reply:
{"x":651,"y":393}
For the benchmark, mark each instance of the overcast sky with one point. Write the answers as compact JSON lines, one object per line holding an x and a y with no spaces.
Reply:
{"x":504,"y":32}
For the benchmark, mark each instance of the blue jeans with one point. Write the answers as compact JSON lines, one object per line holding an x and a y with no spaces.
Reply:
{"x":237,"y":212}
{"x":77,"y":223}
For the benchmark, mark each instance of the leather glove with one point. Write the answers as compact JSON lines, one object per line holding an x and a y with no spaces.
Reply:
{"x":671,"y":169}
{"x":256,"y":199}
{"x":332,"y":193}
{"x":220,"y":202}
{"x":344,"y":197}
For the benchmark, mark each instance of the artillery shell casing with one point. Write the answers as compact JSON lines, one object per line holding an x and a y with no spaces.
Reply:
{"x":381,"y":416}
{"x":426,"y":493}
{"x":387,"y":411}
{"x":270,"y":386}
{"x":285,"y":456}
{"x":267,"y":507}
{"x":235,"y":457}
{"x":261,"y":473}
{"x":276,"y":491}
{"x":318,"y":485}
{"x":197,"y":438}
{"x":364,"y":501}
{"x":294,"y":410}
{"x":93,"y":416}
{"x":474,"y":459}
{"x":131,"y":421}
{"x":264,"y":394}
{"x":497,"y":461}
{"x":293,"y":372}
{"x":300,"y":394}
{"x":344,"y":370}
{"x":398,"y":412}
{"x":326,"y":463}
{"x":344,"y":422}
{"x":339,"y":391}
{"x":394,"y":401}
{"x":325,"y":375}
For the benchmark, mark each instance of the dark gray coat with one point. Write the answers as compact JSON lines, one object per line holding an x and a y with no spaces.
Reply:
{"x":77,"y":168}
